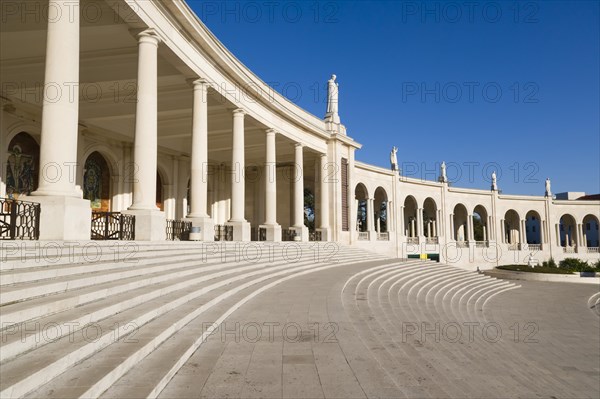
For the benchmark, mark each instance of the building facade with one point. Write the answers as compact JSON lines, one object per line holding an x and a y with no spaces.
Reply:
{"x":133,"y":107}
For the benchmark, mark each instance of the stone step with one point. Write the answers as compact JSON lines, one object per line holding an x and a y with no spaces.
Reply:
{"x":58,"y":362}
{"x":52,"y":253}
{"x":156,"y":367}
{"x":27,"y":290}
{"x":23,"y":336}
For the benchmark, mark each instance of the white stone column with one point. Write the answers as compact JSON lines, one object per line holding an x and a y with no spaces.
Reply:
{"x":389,"y":214}
{"x":324,"y":200}
{"x":64,"y":214}
{"x":145,"y":147}
{"x":241,"y":228}
{"x":452,"y":232}
{"x":298,"y":211}
{"x":470,"y":236}
{"x":402,"y":223}
{"x":420,"y":223}
{"x":271,"y":225}
{"x":199,"y":164}
{"x":150,"y":222}
{"x":558,"y":234}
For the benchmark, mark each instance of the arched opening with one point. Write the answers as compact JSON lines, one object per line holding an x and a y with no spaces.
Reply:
{"x":430,"y":225}
{"x":380,"y":209}
{"x":159,"y":192}
{"x":590,"y":232}
{"x":410,"y":217}
{"x":309,"y":210}
{"x":512,"y":234}
{"x":361,"y":196}
{"x":480,"y":224}
{"x":460,"y":224}
{"x":96,"y":182}
{"x":533,"y":228}
{"x":22,"y":167}
{"x":568,"y":231}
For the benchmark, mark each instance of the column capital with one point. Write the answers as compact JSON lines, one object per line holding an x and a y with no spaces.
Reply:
{"x":271,"y":131}
{"x":198,"y":83}
{"x":323,"y":155}
{"x":239,"y":112}
{"x":298,"y":145}
{"x":148,"y":36}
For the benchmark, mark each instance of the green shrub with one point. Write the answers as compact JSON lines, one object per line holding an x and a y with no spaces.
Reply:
{"x":573,"y":264}
{"x":588,"y":269}
{"x":552,"y":263}
{"x":539,"y":269}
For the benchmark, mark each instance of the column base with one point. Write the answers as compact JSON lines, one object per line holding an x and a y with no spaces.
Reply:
{"x":301,"y":232}
{"x":273,"y":232}
{"x":207,"y":228}
{"x":150,"y":225}
{"x":372,"y":235}
{"x":241,"y":230}
{"x":64,"y":218}
{"x":325,"y":233}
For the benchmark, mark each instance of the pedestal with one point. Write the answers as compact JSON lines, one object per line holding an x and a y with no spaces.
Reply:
{"x":207,"y":228}
{"x":241,"y":230}
{"x":64,"y":218}
{"x":273,"y":232}
{"x":150,"y":225}
{"x":301,"y":232}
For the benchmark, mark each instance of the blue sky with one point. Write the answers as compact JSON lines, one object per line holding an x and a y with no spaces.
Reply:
{"x":483,"y":85}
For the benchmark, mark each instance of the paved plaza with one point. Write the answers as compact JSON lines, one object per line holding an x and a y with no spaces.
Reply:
{"x":300,"y":322}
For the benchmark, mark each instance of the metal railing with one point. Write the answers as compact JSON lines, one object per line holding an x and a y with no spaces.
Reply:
{"x":112,"y":226}
{"x":383,"y":236}
{"x":19,"y":220}
{"x":223,"y":233}
{"x":178,"y":230}
{"x":258,"y":234}
{"x":514,"y":247}
{"x":314,"y":236}
{"x":288,"y":234}
{"x":363,"y":236}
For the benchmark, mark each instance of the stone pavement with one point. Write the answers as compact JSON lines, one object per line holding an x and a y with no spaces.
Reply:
{"x":186,"y":321}
{"x":539,"y":340}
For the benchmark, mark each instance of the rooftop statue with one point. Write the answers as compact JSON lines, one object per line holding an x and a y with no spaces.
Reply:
{"x":548,"y":190}
{"x":332,"y":100}
{"x":494,"y":182}
{"x":394,"y":158}
{"x":443,"y":177}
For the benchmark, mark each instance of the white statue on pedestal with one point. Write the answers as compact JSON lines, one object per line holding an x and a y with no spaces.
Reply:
{"x":443,"y":177}
{"x":548,"y":191}
{"x":394,"y":159}
{"x":530,"y":260}
{"x":494,"y":182}
{"x":332,"y":101}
